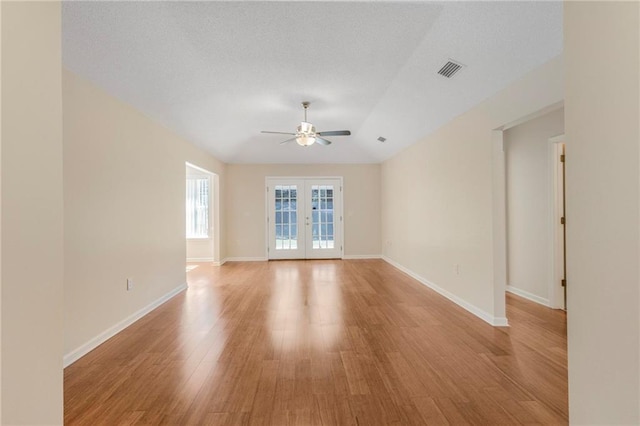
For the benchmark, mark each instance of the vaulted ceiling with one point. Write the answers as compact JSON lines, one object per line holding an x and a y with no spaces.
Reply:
{"x":217,"y":73}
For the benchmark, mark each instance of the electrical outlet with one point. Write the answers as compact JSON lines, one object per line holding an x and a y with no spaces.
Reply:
{"x":129,"y":284}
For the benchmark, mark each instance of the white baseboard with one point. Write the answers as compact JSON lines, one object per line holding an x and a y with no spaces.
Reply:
{"x":362,"y":256}
{"x":84,"y":349}
{"x":483,"y":315}
{"x":206,"y":259}
{"x":529,"y":296}
{"x":245,"y":259}
{"x":199,"y":259}
{"x":263,"y":259}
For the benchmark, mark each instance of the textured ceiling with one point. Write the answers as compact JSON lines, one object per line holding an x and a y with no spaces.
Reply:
{"x":217,"y":73}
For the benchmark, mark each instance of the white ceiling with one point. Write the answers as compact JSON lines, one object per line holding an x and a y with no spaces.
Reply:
{"x":217,"y":73}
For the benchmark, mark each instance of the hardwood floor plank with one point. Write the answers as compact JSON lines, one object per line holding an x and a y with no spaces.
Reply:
{"x":429,"y":411}
{"x":328,"y":342}
{"x":451,"y":412}
{"x":352,"y":365}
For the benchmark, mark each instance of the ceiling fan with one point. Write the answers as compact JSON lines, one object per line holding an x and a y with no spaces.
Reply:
{"x":306,"y":134}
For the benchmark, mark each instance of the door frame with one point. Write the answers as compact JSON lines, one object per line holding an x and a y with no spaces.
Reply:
{"x":303,"y":178}
{"x":499,"y":210}
{"x":556,"y":231}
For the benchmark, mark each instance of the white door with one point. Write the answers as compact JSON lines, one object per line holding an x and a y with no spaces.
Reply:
{"x":558,"y":283}
{"x":323,"y":205}
{"x":304,"y":218}
{"x":286,"y":219}
{"x":563,"y":239}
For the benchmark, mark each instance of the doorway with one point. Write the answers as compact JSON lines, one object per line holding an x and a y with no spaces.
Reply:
{"x":532,"y":176}
{"x":304,"y":217}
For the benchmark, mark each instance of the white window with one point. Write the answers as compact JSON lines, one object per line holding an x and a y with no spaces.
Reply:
{"x":198,"y":207}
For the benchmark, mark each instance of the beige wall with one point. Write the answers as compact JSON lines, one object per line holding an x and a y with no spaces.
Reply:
{"x":603,"y":226}
{"x":32,"y":214}
{"x":124,"y":201}
{"x":246,"y":212}
{"x":200,"y":250}
{"x":529,"y":173}
{"x":437,"y":195}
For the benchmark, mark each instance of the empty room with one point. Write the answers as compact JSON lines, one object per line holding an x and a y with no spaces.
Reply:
{"x":307,"y":212}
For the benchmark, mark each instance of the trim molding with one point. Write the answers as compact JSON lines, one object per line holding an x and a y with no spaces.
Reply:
{"x":84,"y":349}
{"x":245,"y":259}
{"x":264,"y":259}
{"x":199,"y":259}
{"x":483,"y":315}
{"x":529,"y":296}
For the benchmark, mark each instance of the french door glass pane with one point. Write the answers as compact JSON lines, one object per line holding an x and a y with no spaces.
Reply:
{"x":286,"y":216}
{"x":322,"y":217}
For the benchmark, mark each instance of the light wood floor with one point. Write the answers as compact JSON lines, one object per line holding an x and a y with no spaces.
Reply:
{"x":322,"y":342}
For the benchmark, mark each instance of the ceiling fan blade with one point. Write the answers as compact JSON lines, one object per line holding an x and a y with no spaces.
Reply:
{"x":278,"y":133}
{"x":335,"y":133}
{"x":322,"y":141}
{"x":287,"y":141}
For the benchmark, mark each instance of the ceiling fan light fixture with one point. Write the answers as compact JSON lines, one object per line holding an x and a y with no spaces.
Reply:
{"x":305,"y":140}
{"x":306,"y":134}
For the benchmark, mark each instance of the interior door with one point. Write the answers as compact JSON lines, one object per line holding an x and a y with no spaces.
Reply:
{"x":304,"y":218}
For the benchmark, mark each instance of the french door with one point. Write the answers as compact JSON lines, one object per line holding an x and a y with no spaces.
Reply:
{"x":304,"y":218}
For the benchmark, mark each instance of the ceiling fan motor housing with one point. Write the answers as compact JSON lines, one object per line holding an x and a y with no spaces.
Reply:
{"x":306,"y":128}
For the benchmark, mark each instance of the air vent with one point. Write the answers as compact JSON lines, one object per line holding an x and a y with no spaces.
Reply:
{"x":381,"y":139}
{"x":450,"y":69}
